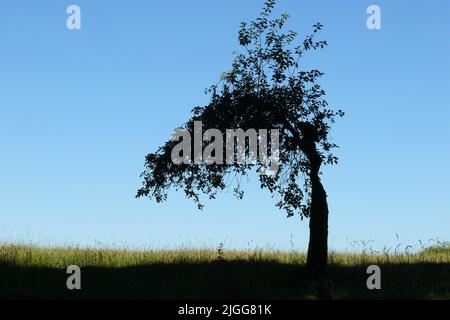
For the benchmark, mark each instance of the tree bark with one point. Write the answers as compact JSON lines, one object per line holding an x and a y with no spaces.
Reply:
{"x":317,"y":258}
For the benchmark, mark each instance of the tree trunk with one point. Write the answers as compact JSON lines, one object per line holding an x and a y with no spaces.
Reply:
{"x":317,"y":258}
{"x":318,"y":227}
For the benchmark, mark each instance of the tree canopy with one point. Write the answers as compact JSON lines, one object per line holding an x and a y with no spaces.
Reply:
{"x":265,"y":88}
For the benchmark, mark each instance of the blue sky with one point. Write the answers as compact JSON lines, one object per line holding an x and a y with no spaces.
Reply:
{"x":79,"y":109}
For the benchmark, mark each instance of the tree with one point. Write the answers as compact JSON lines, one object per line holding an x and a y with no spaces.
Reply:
{"x":265,"y":88}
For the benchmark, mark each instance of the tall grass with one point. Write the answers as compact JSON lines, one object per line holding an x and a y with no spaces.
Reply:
{"x":28,"y":271}
{"x":59,"y":257}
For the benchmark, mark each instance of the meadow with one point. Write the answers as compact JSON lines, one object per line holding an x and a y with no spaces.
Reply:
{"x":30,"y":272}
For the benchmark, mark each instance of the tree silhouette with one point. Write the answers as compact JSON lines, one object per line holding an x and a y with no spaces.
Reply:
{"x":265,"y":88}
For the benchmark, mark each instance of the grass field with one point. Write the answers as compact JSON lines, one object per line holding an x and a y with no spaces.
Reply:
{"x":33,"y":272}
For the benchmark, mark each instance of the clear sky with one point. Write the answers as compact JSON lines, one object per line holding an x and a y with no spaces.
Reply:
{"x":79,"y":109}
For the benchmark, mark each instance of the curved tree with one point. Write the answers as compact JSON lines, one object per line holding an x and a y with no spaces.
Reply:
{"x":265,"y":88}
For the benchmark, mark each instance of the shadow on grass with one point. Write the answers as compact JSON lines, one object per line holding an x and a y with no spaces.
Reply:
{"x":227,"y":280}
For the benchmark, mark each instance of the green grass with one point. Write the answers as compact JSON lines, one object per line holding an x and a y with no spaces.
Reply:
{"x":33,"y":272}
